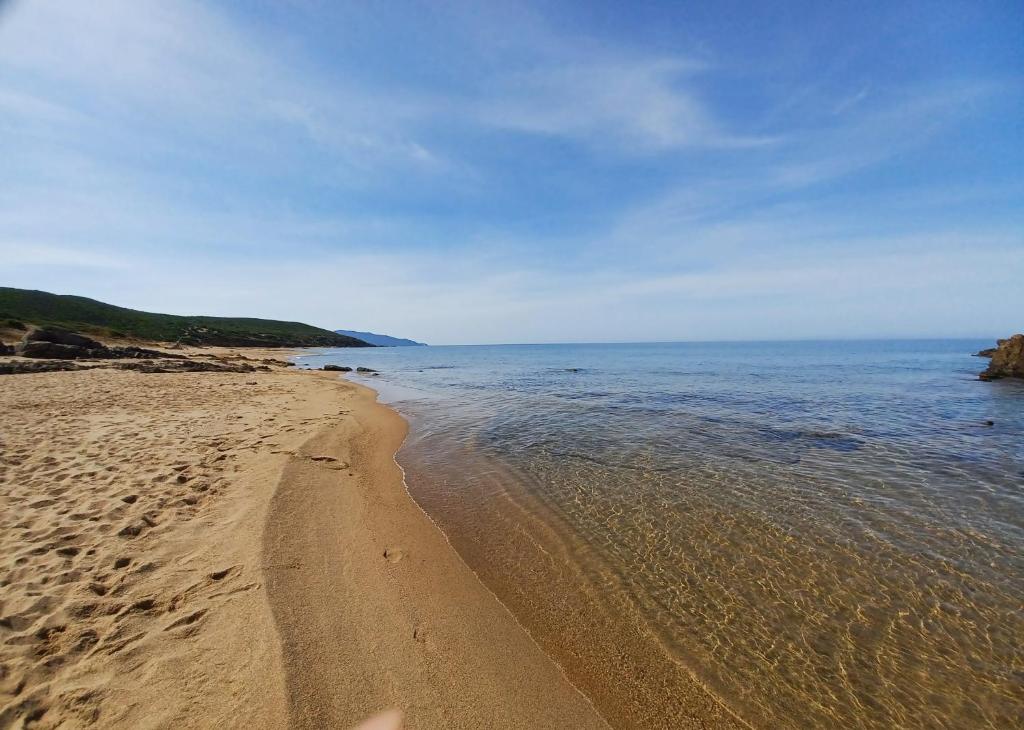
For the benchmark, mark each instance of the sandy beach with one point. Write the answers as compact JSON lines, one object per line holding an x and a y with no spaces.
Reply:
{"x":239,"y":550}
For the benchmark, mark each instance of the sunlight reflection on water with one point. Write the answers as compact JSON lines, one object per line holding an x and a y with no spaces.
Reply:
{"x":826,"y":534}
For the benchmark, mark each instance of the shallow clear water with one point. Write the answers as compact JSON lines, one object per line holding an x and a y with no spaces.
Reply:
{"x":821,"y":533}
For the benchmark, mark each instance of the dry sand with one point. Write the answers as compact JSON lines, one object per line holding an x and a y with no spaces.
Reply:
{"x":238,"y":550}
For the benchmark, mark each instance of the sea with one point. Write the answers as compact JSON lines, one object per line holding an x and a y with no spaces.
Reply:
{"x":811,"y":534}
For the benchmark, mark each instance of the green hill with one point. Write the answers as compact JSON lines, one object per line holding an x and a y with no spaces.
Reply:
{"x":105,"y":320}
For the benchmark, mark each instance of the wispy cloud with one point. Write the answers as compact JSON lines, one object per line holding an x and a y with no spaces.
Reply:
{"x":183,"y":73}
{"x":874,"y":134}
{"x":641,"y":105}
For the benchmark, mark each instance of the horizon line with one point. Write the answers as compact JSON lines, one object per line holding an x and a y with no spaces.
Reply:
{"x":704,"y":342}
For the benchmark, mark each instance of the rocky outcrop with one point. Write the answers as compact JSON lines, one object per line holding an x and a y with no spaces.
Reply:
{"x":18,"y":367}
{"x":188,"y":366}
{"x":337,"y":368}
{"x":1007,"y":359}
{"x":55,"y":351}
{"x":51,"y":343}
{"x":51,"y":349}
{"x":57,"y":344}
{"x":61,"y":337}
{"x":361,"y":369}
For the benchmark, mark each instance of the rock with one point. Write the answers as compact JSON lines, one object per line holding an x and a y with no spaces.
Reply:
{"x":61,"y":337}
{"x":337,"y":368}
{"x":55,"y":351}
{"x":185,"y":366}
{"x":988,"y":352}
{"x":1007,"y":360}
{"x":166,"y":364}
{"x":58,"y":344}
{"x":6,"y":349}
{"x":43,"y":366}
{"x":361,"y":369}
{"x":139,"y":353}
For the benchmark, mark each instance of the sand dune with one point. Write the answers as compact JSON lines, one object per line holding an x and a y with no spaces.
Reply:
{"x":238,"y":550}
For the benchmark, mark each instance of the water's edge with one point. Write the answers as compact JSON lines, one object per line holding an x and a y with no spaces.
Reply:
{"x":455,"y":551}
{"x":790,"y":534}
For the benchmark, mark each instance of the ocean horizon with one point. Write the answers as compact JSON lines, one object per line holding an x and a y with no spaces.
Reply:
{"x":989,"y":340}
{"x":824,"y":532}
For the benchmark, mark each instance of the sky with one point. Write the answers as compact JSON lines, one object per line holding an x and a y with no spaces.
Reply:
{"x":467,"y":172}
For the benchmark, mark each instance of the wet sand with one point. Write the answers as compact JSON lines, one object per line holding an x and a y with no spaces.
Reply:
{"x":239,"y":550}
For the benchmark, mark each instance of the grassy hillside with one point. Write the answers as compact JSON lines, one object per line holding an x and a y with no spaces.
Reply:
{"x":93,"y":317}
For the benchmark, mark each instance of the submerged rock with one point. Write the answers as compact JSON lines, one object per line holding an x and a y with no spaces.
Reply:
{"x":1007,"y":359}
{"x":361,"y":369}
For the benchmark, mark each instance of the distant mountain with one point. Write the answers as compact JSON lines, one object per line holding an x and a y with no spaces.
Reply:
{"x":381,"y":340}
{"x":29,"y":306}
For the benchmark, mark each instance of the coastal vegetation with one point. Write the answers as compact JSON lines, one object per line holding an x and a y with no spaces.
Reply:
{"x":22,"y":307}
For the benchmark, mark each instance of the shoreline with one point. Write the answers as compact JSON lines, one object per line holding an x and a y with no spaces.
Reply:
{"x":523,"y":550}
{"x":413,"y":611}
{"x":179,"y":555}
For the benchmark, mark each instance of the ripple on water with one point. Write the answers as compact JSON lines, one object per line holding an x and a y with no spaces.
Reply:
{"x":825,"y":536}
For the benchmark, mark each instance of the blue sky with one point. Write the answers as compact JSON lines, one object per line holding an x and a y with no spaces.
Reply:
{"x":485,"y":172}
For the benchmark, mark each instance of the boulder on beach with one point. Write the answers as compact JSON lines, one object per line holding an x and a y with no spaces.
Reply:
{"x":16,"y":367}
{"x":52,"y":343}
{"x":336,"y":368}
{"x":1007,"y":359}
{"x":55,"y":351}
{"x":61,"y":337}
{"x":57,"y":344}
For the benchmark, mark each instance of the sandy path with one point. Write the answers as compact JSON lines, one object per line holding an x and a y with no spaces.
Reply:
{"x":172,"y":556}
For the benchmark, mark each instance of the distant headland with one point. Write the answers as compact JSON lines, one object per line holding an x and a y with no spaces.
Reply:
{"x":381,"y":340}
